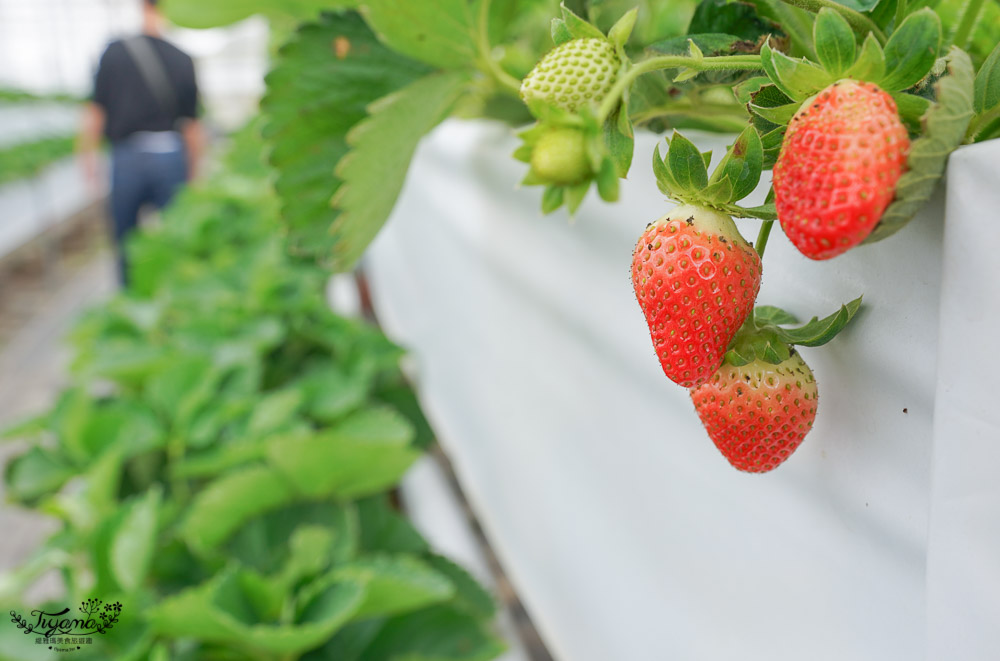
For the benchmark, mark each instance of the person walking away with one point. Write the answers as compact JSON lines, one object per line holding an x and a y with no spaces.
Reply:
{"x":145,"y":102}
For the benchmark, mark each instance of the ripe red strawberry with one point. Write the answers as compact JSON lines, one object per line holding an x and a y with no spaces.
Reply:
{"x":696,"y":280}
{"x":757,"y":414}
{"x":840,"y":159}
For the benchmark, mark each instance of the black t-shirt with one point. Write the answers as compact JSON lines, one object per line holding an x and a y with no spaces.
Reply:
{"x":129,"y":103}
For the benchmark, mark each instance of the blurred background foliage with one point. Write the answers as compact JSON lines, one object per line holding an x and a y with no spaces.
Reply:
{"x":224,"y":463}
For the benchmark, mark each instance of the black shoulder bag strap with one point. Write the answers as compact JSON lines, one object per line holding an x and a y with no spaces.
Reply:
{"x":153,"y":73}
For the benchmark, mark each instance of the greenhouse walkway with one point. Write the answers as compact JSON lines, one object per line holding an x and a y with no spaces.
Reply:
{"x":37,"y":310}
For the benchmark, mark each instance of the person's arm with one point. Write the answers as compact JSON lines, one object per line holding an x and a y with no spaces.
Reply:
{"x":89,"y":142}
{"x":194,"y":143}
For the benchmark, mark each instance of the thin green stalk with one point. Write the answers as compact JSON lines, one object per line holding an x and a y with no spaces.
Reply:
{"x":725,"y":62}
{"x":967,"y":23}
{"x":708,"y":110}
{"x":761,"y":243}
{"x":861,"y":24}
{"x":504,"y":79}
{"x":901,"y":7}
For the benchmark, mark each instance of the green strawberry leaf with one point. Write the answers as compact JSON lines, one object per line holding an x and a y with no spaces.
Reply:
{"x":911,"y":108}
{"x":365,"y":453}
{"x":780,"y":115}
{"x":738,"y":19}
{"x":771,"y":133}
{"x":618,"y":136}
{"x":911,"y":50}
{"x":686,"y":165}
{"x":945,"y":125}
{"x":440,"y":33}
{"x":772,"y":351}
{"x":470,"y":596}
{"x":718,"y":191}
{"x":315,"y":95}
{"x":769,"y":96}
{"x":794,"y":21}
{"x":741,"y":166}
{"x":884,"y":13}
{"x":560,"y":32}
{"x":439,"y":633}
{"x":552,"y":198}
{"x":381,"y":148}
{"x":607,"y":181}
{"x":797,"y":78}
{"x":870,"y":65}
{"x":745,"y":90}
{"x":860,"y":5}
{"x":834,"y":41}
{"x":762,"y":337}
{"x":394,"y":584}
{"x":768,"y":314}
{"x":36,"y":473}
{"x":577,"y":27}
{"x":575,"y":195}
{"x":622,"y":29}
{"x":220,"y":611}
{"x":134,"y":540}
{"x":740,"y":354}
{"x":226,"y":503}
{"x":200,"y":15}
{"x":664,"y":178}
{"x":820,"y":331}
{"x":987,"y":86}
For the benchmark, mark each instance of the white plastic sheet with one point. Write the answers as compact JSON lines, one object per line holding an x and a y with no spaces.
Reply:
{"x":963,"y":568}
{"x":29,"y":207}
{"x":624,"y":530}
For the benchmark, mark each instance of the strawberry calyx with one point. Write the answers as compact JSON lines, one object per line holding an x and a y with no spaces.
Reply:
{"x":567,"y":153}
{"x":682,"y":175}
{"x":763,"y":336}
{"x":906,"y":59}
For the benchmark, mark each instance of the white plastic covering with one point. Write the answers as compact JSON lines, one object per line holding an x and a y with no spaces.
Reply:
{"x":30,"y":207}
{"x":625,"y":531}
{"x":963,"y":568}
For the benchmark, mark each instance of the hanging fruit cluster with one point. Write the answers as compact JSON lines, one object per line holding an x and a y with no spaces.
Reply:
{"x":852,"y":142}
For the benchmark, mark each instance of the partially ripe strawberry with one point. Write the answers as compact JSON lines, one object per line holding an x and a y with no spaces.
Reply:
{"x":573,"y":74}
{"x":758,"y":414}
{"x":560,"y":156}
{"x":696,"y":280}
{"x":841,"y":157}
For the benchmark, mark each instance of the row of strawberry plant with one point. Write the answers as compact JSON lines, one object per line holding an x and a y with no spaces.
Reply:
{"x":28,"y":159}
{"x":222,"y":467}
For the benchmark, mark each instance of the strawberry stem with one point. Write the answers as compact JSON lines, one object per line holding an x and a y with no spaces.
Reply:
{"x":967,"y":23}
{"x":761,"y":242}
{"x":506,"y":81}
{"x":717,"y":63}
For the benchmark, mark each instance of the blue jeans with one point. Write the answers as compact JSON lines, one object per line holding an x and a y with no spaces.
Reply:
{"x":143,"y":171}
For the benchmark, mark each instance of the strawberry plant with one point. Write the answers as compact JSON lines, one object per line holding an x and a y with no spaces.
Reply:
{"x":221,"y":466}
{"x":27,"y":159}
{"x":855,"y":106}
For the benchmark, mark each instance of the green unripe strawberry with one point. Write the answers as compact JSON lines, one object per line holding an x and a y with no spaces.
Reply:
{"x":573,"y":74}
{"x":560,"y":156}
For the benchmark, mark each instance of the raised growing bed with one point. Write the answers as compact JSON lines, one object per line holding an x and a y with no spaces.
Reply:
{"x":624,"y":530}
